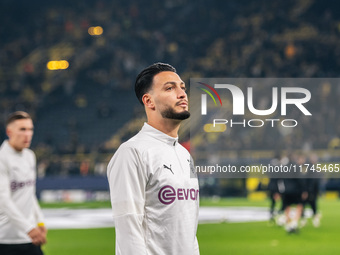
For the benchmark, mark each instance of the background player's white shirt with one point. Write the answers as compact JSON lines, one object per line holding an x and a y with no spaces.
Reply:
{"x":154,"y":196}
{"x":19,"y":209}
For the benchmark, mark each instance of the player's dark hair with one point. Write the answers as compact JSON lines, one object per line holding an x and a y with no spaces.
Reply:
{"x":19,"y":115}
{"x":144,"y":79}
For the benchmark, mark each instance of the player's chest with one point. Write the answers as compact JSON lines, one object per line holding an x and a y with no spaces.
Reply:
{"x":172,"y":182}
{"x":171,"y":168}
{"x":21,"y":169}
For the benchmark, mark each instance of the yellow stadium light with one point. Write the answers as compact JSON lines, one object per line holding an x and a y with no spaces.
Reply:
{"x":63,"y":64}
{"x":57,"y":65}
{"x":51,"y":65}
{"x":98,"y":30}
{"x":209,"y":128}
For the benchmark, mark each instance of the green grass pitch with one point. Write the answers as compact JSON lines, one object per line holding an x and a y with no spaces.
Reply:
{"x":222,"y":238}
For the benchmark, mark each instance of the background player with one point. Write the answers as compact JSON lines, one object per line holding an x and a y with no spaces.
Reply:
{"x":273,"y":189}
{"x":21,"y":222}
{"x":294,"y":194}
{"x":313,"y":188}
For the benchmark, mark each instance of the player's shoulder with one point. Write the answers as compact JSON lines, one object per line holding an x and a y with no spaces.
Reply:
{"x":3,"y":151}
{"x":30,"y":153}
{"x":3,"y":156}
{"x":183,"y":149}
{"x":137,"y":143}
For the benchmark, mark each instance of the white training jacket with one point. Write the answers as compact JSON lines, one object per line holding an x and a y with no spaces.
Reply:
{"x":154,"y":196}
{"x":19,"y":208}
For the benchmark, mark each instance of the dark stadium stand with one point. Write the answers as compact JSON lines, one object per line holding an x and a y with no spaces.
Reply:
{"x":80,"y":112}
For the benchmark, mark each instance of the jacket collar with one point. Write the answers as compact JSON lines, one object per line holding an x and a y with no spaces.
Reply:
{"x":7,"y":146}
{"x":159,"y":135}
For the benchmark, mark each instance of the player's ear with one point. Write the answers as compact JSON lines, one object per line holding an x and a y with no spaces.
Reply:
{"x":148,"y":101}
{"x":8,"y":131}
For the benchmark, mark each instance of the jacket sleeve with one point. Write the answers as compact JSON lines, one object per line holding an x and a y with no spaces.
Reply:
{"x":196,"y":249}
{"x":39,"y":217}
{"x":127,"y":181}
{"x":6,"y":203}
{"x":37,"y":211}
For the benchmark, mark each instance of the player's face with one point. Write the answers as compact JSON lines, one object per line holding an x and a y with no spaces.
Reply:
{"x":170,"y":98}
{"x":20,"y":133}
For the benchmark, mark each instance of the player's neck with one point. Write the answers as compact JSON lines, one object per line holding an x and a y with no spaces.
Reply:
{"x":17,"y":148}
{"x":167,"y":126}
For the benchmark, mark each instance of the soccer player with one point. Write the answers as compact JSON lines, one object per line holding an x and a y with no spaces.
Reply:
{"x":21,"y":222}
{"x":313,"y":187}
{"x":153,"y":184}
{"x":274,"y":196}
{"x":295,"y":193}
{"x":273,"y":188}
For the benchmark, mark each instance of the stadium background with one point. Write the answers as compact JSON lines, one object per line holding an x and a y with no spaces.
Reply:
{"x":86,"y":108}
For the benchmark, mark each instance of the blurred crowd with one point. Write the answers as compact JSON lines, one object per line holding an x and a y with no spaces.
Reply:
{"x":77,"y":110}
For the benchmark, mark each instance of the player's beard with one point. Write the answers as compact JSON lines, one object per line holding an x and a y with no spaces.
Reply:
{"x":171,"y":114}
